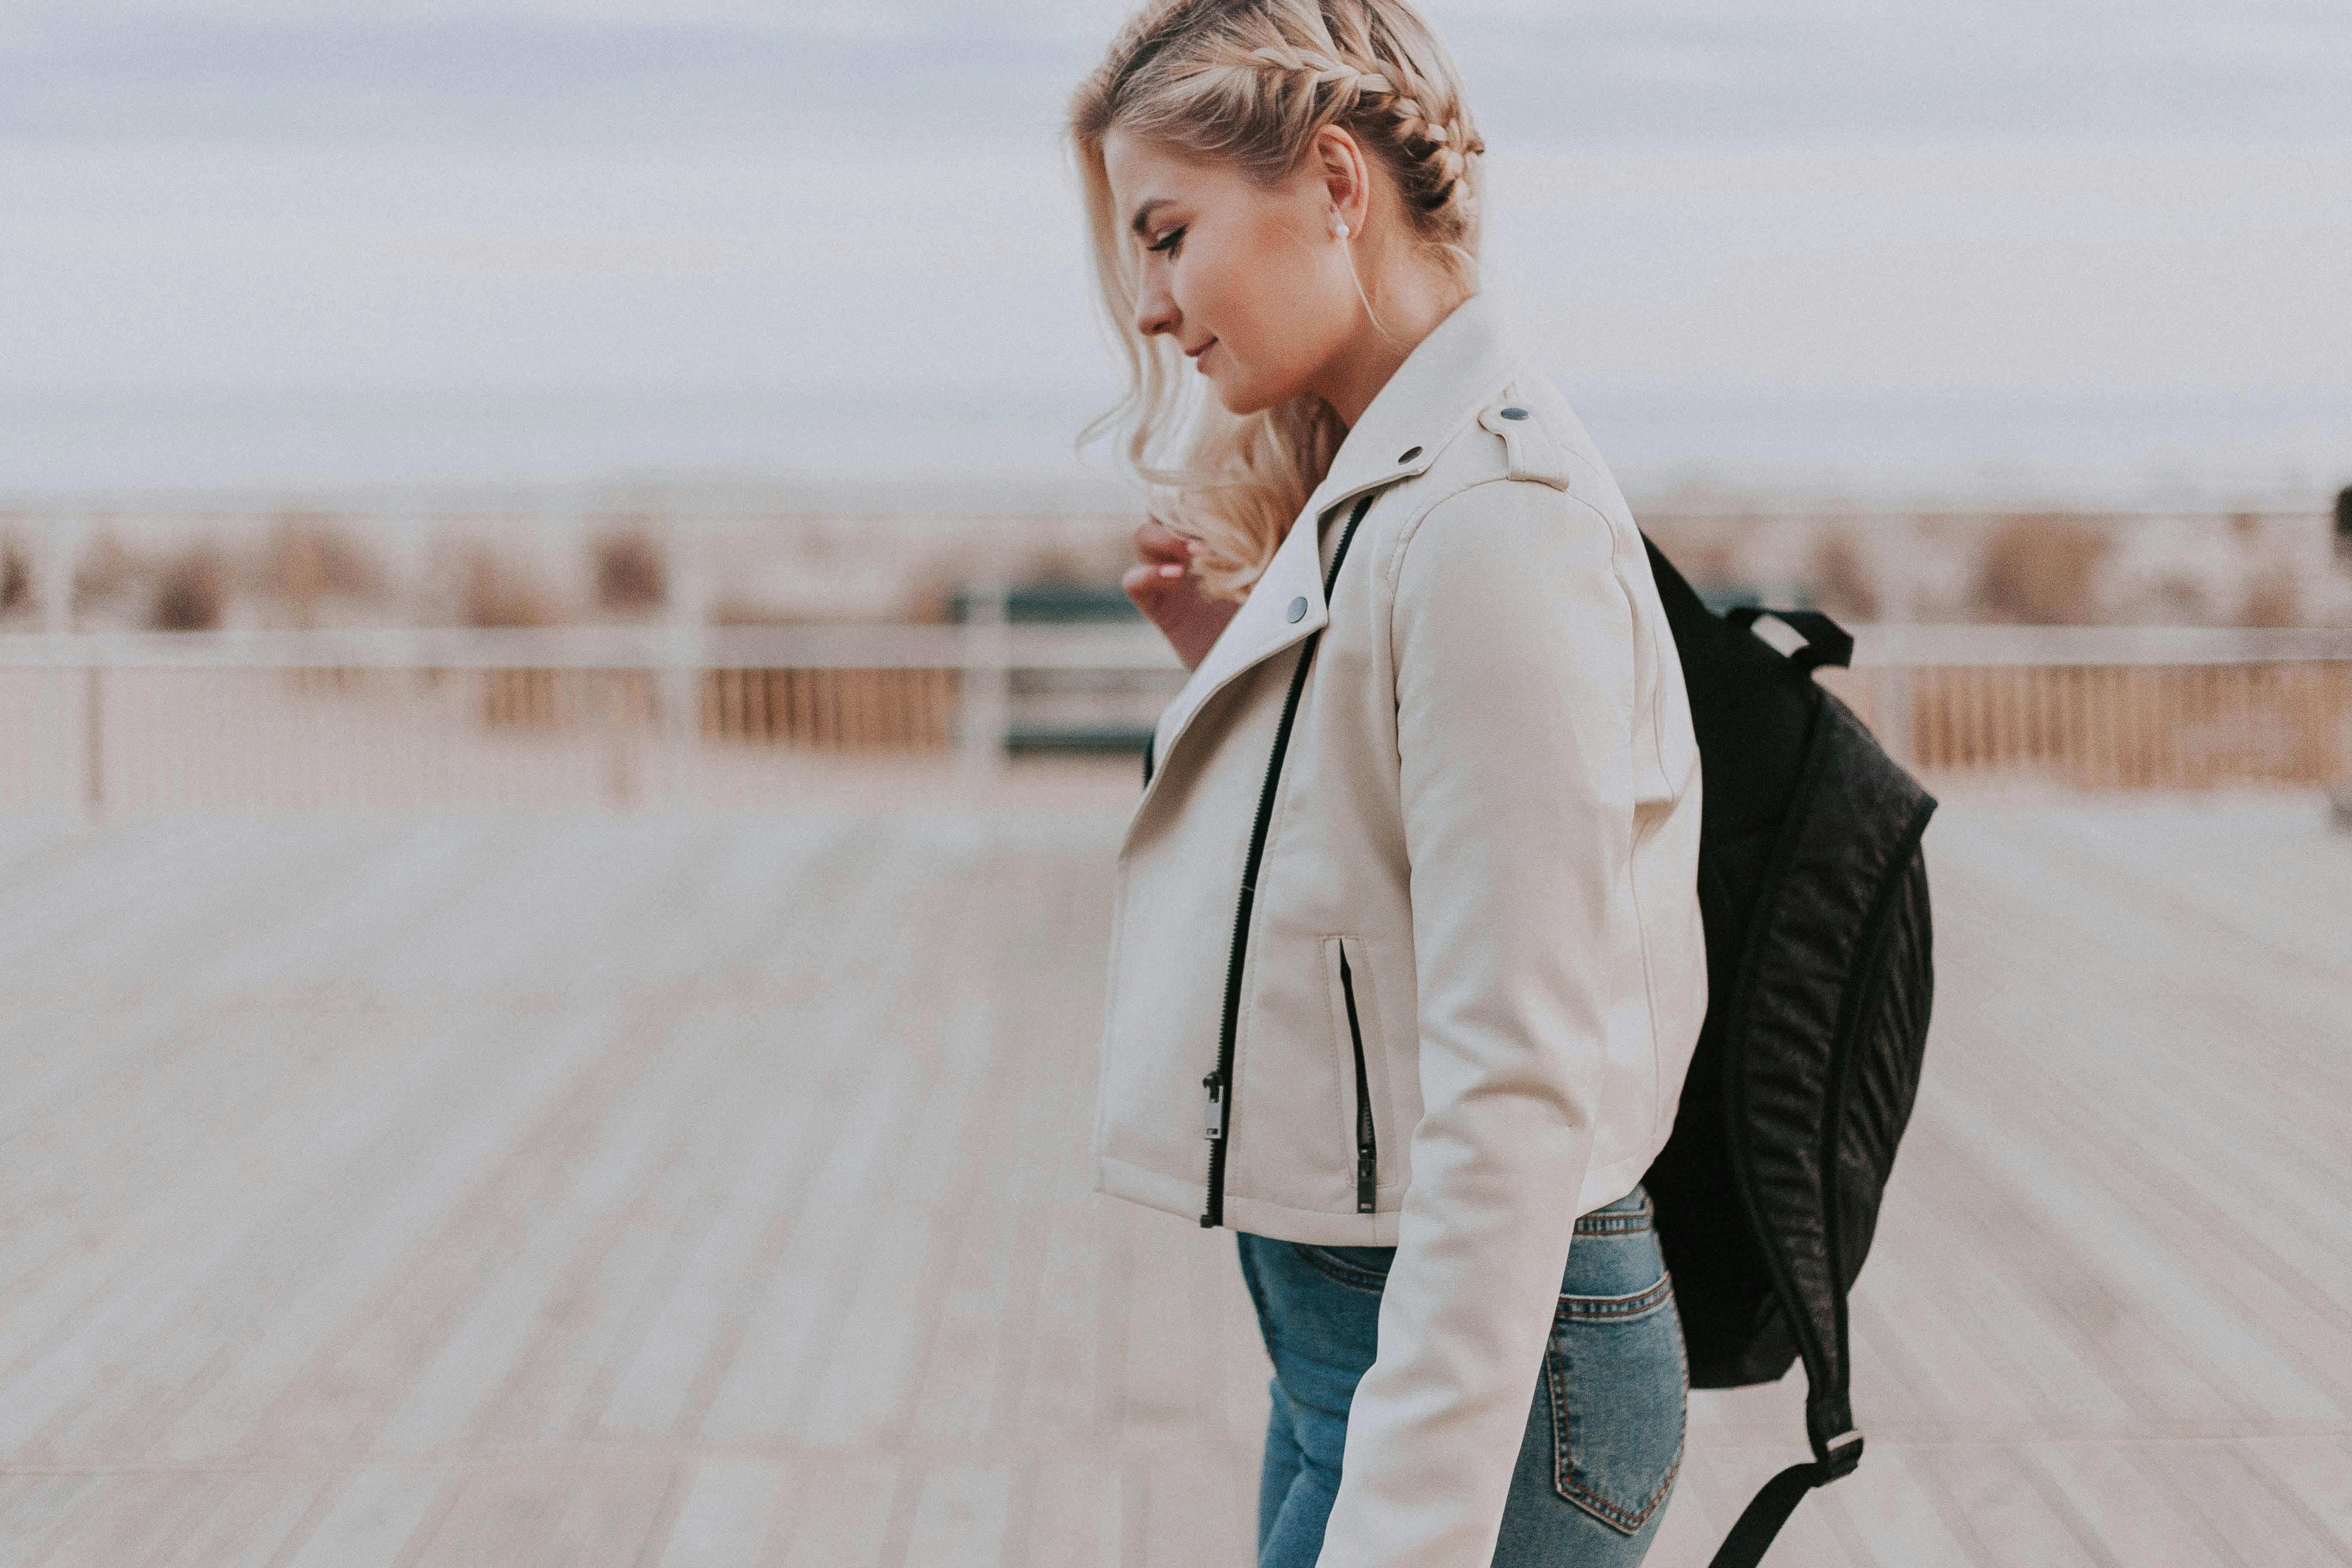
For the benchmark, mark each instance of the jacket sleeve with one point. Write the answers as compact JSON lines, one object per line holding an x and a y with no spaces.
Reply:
{"x":1513,"y":648}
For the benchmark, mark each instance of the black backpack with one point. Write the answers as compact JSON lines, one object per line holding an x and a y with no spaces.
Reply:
{"x":1814,"y":895}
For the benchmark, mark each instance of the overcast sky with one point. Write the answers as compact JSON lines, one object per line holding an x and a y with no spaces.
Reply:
{"x":2001,"y":214}
{"x":299,"y":70}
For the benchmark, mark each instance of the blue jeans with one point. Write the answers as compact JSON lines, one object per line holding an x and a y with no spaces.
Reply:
{"x":1604,"y":1425}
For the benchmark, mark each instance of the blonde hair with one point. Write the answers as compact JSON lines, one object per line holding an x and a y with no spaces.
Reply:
{"x":1252,"y":82}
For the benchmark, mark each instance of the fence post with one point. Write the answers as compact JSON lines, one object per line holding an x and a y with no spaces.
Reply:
{"x":685,"y":672}
{"x":1894,"y":705}
{"x":93,"y":731}
{"x":986,"y":716}
{"x":613,"y":689}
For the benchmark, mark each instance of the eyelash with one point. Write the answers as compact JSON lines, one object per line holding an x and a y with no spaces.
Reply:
{"x":1167,"y":243}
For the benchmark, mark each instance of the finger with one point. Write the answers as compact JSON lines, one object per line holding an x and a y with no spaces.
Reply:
{"x":1154,"y":542}
{"x":1146,"y":586}
{"x":1157,"y":575}
{"x":1152,"y":586}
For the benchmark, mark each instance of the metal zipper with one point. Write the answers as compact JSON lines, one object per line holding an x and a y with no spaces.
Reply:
{"x":1219,"y":1084}
{"x":1366,"y":1150}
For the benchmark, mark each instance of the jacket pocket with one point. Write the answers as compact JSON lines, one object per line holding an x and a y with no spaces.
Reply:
{"x":1618,"y":1390}
{"x":1350,"y":1014}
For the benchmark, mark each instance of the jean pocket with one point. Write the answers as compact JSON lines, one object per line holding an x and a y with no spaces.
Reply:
{"x":1365,"y":1267}
{"x":1619,"y":1387}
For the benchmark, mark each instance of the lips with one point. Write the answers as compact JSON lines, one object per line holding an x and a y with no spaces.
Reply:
{"x":1200,"y":356}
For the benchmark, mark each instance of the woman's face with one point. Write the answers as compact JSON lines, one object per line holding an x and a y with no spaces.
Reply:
{"x":1248,"y":279}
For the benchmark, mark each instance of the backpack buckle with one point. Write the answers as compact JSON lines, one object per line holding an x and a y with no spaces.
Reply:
{"x":1839,"y":1462}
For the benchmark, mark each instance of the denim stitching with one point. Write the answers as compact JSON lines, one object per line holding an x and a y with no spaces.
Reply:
{"x":1617,"y":1221}
{"x":1344,"y":1272}
{"x":1563,"y":1478}
{"x":1613,"y":1224}
{"x":1617,"y":1308}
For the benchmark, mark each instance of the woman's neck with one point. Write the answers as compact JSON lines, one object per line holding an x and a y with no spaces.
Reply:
{"x":1413,"y":301}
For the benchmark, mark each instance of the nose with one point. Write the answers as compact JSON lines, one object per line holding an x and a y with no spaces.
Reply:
{"x":1155,"y":307}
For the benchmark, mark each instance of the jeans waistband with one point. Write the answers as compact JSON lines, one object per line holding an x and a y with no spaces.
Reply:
{"x":1629,"y":1216}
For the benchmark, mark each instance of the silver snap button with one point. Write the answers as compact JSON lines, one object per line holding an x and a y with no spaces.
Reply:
{"x":1297,"y":611}
{"x":1515,"y":414}
{"x":1409,"y":454}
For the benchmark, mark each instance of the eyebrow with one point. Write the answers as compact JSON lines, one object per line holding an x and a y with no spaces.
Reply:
{"x":1142,"y":218}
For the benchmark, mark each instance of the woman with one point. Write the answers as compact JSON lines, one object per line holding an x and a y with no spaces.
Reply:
{"x":1405,"y":920}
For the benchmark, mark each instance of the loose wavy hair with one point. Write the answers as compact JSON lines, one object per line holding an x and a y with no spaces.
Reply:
{"x":1252,"y":82}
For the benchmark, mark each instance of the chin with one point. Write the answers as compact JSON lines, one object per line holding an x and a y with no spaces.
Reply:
{"x":1247,"y":397}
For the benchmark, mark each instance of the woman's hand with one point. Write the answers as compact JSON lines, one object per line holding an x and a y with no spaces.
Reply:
{"x":1163,"y":587}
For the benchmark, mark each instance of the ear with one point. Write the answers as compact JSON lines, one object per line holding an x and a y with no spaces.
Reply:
{"x":1346,"y":173}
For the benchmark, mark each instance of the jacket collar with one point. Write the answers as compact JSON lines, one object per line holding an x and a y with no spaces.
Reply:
{"x":1451,"y":374}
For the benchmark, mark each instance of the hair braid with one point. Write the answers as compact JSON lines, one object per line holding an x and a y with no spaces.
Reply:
{"x":1254,"y":83}
{"x":1431,"y":154}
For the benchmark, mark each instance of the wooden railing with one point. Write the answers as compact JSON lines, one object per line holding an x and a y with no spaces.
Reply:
{"x":106,"y":721}
{"x":2101,"y":707}
{"x":414,"y":716}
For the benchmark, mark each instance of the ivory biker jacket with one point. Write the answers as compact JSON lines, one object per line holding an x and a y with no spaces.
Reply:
{"x":1405,"y":944}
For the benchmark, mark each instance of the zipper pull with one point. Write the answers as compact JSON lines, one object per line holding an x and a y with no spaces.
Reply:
{"x":1217,"y":1087}
{"x":1367,"y":1174}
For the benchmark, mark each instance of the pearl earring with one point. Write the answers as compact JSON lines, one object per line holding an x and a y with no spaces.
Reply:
{"x":1339,"y":227}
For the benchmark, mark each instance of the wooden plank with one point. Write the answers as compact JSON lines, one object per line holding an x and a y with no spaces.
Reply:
{"x":667,"y":1356}
{"x":122,"y":1290}
{"x":365,"y":1522}
{"x":496,"y":1515}
{"x":725,"y":1519}
{"x":1066,"y":1357}
{"x":841,"y":1516}
{"x":977,"y":1352}
{"x":614,"y":1512}
{"x":135,"y":1517}
{"x":1885,"y":1515}
{"x":777,"y":1351}
{"x":1924,"y":1232}
{"x":1967,"y":1375}
{"x":2006,"y":1513}
{"x":621,"y":1156}
{"x":2113,"y":1491}
{"x":1198,"y":1510}
{"x":417,"y":871}
{"x":2195,"y":1318}
{"x":1684,"y":1538}
{"x":2315,"y":1474}
{"x":355,"y":1381}
{"x":2241,"y":1504}
{"x":870,"y":1360}
{"x":1072,"y":1514}
{"x":603,"y":1301}
{"x":742,"y":1210}
{"x":41,"y":1511}
{"x":1166,"y":1379}
{"x":1717,"y":1479}
{"x":261,"y":1508}
{"x":774,"y":1350}
{"x":393,"y":1196}
{"x":961,"y":1517}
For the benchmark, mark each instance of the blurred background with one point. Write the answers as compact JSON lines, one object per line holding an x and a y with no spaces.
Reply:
{"x":567,"y":711}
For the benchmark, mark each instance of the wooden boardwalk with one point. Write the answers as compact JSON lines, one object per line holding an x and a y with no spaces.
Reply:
{"x":405,"y":1192}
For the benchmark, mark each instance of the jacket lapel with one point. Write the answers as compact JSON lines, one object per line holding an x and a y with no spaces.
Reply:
{"x":1261,"y":628}
{"x":1439,"y":387}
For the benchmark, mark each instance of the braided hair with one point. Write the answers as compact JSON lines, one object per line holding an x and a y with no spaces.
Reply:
{"x":1252,"y":82}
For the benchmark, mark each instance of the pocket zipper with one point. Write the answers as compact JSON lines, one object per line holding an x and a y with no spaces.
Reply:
{"x":1367,"y":1148}
{"x":1218,"y":1083}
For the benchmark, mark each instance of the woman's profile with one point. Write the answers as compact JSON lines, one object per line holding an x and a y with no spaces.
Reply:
{"x":1407,"y":961}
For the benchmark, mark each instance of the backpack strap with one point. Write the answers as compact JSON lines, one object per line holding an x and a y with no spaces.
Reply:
{"x":1770,"y":1507}
{"x":1826,"y":642}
